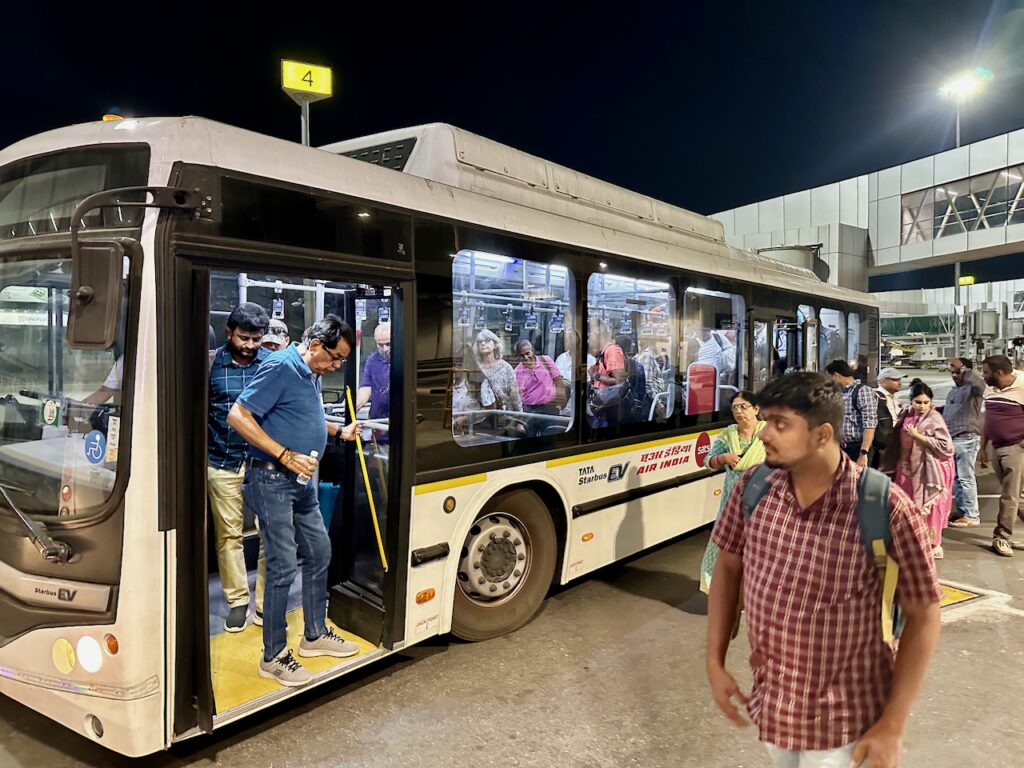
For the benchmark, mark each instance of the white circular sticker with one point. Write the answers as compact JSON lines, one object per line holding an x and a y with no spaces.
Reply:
{"x":50,"y":412}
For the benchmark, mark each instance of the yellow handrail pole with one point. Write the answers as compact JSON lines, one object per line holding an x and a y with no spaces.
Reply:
{"x":366,"y":480}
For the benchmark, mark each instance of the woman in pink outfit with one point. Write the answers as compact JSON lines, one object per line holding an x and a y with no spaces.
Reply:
{"x":922,"y":460}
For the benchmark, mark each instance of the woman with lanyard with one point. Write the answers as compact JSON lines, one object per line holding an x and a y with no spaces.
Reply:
{"x":737,"y":448}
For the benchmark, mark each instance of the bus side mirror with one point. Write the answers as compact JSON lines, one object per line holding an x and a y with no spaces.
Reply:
{"x":97,"y":271}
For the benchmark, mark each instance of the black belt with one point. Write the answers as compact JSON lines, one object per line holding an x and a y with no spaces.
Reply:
{"x":273,"y":466}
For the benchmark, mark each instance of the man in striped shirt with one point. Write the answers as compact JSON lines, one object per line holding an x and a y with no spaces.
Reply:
{"x":1004,"y":428}
{"x":827,"y":691}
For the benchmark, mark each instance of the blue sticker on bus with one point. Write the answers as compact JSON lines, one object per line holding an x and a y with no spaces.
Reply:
{"x":95,"y":447}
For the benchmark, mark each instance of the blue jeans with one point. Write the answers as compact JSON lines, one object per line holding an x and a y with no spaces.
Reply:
{"x":965,"y":486}
{"x":290,"y":525}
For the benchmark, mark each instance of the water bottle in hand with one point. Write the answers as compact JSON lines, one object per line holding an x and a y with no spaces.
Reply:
{"x":303,"y":479}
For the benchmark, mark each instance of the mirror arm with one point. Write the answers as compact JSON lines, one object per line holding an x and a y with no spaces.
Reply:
{"x":178,"y":198}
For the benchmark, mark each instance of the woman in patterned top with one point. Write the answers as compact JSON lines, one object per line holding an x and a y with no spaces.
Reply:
{"x":499,"y":389}
{"x":922,"y":461}
{"x":738,"y":448}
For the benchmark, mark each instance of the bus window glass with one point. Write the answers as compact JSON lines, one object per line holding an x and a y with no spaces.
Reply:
{"x":761,"y":357}
{"x":513,"y":346}
{"x":711,"y":355}
{"x":632,"y":340}
{"x":832,"y":345}
{"x":60,"y":408}
{"x":855,"y":353}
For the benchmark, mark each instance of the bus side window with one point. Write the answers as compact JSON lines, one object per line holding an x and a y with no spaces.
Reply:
{"x":712,"y":350}
{"x":632,"y":337}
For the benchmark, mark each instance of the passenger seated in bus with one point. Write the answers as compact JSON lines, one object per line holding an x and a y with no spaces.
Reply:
{"x":499,"y":389}
{"x":567,"y":367}
{"x":464,"y":404}
{"x":607,"y":376}
{"x":375,"y":384}
{"x":654,"y":365}
{"x":710,"y":351}
{"x":728,"y":372}
{"x":276,"y":336}
{"x":109,"y":386}
{"x":540,"y":384}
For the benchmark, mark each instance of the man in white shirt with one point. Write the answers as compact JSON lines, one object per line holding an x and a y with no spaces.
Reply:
{"x":889,"y":382}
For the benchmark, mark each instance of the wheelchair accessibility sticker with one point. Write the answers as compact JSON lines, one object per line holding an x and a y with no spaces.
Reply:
{"x":95,"y":447}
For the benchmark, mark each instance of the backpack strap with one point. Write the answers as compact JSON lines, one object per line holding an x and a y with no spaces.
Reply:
{"x":754,"y":490}
{"x":876,"y":536}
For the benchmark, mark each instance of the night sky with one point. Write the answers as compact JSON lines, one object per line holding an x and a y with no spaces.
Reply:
{"x":704,"y":106}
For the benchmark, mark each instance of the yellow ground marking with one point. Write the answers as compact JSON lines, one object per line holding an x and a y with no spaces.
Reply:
{"x":627,"y":448}
{"x":234,"y":658}
{"x":954,"y":596}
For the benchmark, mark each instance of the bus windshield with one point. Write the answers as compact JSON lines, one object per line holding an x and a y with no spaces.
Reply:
{"x":38,"y":195}
{"x":60,"y":408}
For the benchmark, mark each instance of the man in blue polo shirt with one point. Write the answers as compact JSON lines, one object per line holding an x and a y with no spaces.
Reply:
{"x":280,"y":415}
{"x":232,"y":368}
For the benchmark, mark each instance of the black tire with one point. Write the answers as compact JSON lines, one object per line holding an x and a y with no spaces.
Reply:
{"x":481,"y":618}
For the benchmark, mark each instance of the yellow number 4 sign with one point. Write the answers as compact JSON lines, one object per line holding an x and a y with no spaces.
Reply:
{"x":305,"y":82}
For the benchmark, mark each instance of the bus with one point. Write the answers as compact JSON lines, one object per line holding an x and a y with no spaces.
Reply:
{"x":123,"y":247}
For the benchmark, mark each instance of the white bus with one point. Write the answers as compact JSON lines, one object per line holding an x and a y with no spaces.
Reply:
{"x":122,"y":247}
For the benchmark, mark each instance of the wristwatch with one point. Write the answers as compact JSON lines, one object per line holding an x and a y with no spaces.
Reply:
{"x":863,"y":452}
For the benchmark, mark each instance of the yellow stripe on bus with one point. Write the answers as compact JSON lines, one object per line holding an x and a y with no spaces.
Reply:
{"x":626,"y":449}
{"x":444,"y":485}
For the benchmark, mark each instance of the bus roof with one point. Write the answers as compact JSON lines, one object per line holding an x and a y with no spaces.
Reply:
{"x":456,"y":175}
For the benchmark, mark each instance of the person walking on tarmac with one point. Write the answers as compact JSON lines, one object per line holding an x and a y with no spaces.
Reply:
{"x":1004,"y":428}
{"x":962,"y":413}
{"x":281,"y":416}
{"x":860,"y":412}
{"x":827,"y":690}
{"x":889,"y":408}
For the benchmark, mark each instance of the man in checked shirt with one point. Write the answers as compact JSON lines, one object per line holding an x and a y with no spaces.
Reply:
{"x":827,"y":690}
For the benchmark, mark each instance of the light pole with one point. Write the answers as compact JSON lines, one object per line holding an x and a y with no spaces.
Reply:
{"x":962,"y":87}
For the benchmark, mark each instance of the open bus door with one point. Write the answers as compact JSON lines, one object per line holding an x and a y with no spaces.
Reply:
{"x":216,"y":676}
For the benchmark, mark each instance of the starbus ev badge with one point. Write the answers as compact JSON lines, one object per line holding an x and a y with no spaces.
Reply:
{"x":306,"y":83}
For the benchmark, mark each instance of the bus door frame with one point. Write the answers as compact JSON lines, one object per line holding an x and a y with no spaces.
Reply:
{"x":183,"y":324}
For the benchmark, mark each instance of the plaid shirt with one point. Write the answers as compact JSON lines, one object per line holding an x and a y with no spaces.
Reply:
{"x":860,"y":416}
{"x":812,"y":597}
{"x":225,"y":448}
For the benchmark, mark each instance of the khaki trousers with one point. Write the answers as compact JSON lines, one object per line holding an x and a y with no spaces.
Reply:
{"x":225,"y":490}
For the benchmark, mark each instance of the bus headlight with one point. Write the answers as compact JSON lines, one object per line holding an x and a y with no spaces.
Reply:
{"x":89,"y":654}
{"x":63,"y":656}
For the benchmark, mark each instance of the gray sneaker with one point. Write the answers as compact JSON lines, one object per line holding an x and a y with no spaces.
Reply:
{"x":999,"y":546}
{"x":328,"y":644}
{"x":285,"y":669}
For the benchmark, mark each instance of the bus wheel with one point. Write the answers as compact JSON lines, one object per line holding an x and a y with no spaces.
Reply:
{"x":506,"y":567}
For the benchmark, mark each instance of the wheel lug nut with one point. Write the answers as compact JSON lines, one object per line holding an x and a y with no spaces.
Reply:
{"x":494,"y":587}
{"x":506,"y":534}
{"x":520,"y":556}
{"x":482,"y":580}
{"x":481,"y":548}
{"x":494,"y":537}
{"x":476,"y":564}
{"x":506,"y":585}
{"x":516,"y":543}
{"x":517,"y":573}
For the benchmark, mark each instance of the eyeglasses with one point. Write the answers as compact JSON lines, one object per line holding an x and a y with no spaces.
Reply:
{"x":742,"y":407}
{"x":339,"y":358}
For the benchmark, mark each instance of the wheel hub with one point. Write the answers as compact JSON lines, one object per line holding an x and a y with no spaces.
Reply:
{"x":495,"y":558}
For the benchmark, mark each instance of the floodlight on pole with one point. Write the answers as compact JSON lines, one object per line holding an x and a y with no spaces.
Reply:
{"x":962,"y":87}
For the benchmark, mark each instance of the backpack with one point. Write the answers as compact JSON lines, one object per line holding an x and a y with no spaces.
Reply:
{"x":883,"y":431}
{"x":873,"y":519}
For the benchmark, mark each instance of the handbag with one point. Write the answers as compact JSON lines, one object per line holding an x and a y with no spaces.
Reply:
{"x":611,"y":396}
